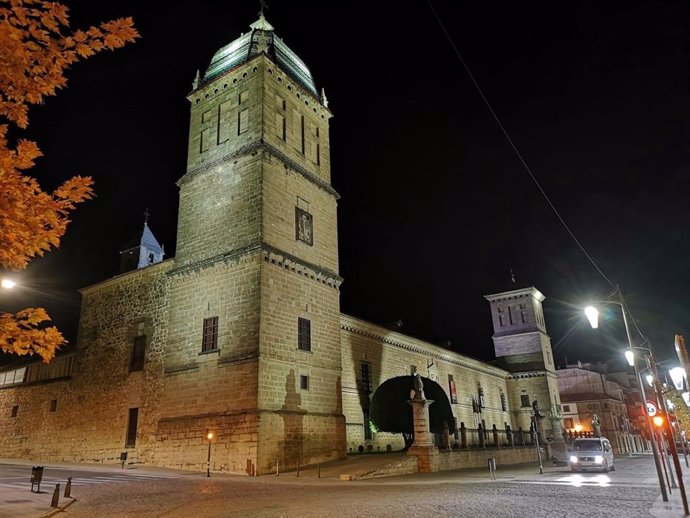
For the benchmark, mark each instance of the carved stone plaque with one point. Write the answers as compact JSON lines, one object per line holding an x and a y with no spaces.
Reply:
{"x":304,"y":226}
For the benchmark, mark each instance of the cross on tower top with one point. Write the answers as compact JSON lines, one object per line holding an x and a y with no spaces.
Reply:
{"x":146,"y":215}
{"x":263,"y":7}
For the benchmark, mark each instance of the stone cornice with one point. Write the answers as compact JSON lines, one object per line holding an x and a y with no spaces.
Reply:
{"x":269,"y":149}
{"x":227,"y":257}
{"x":168,"y":263}
{"x":271,"y":255}
{"x":290,"y":262}
{"x":408,"y":343}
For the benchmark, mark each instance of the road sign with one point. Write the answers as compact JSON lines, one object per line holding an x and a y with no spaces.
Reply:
{"x":651,"y":408}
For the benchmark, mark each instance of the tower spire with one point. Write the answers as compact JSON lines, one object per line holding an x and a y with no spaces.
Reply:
{"x":512,"y":276}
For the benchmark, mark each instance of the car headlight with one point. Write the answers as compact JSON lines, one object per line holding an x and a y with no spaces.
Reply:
{"x":573,"y":459}
{"x":598,"y":459}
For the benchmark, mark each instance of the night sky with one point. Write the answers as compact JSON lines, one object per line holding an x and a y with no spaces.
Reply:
{"x":436,"y":208}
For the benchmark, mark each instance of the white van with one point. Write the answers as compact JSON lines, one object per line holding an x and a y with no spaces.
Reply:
{"x":591,"y":453}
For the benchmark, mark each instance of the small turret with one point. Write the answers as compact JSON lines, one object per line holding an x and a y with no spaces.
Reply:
{"x":141,"y":252}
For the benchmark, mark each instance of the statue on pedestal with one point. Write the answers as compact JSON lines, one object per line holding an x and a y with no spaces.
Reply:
{"x":418,"y":387}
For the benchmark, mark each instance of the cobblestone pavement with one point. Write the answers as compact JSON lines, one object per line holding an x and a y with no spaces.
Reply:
{"x":629,"y":492}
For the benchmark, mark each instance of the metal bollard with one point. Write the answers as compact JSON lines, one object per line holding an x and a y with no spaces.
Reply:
{"x":56,"y":496}
{"x":277,"y":470}
{"x":319,"y":474}
{"x":68,"y":488}
{"x":297,"y":468}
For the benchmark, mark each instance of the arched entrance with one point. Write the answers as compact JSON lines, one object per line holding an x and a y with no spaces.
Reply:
{"x":391,"y":413}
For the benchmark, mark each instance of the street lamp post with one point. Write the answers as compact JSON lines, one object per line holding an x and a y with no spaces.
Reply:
{"x":592,"y":315}
{"x":209,"y":436}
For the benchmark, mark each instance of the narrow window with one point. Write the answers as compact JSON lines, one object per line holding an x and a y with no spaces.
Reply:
{"x":210,"y":336}
{"x":501,"y":321}
{"x":131,"y":439}
{"x":366,"y":377}
{"x":242,"y":121}
{"x":138,"y":352}
{"x":302,"y":133}
{"x":510,"y":315}
{"x":504,"y":402}
{"x":53,"y":405}
{"x":566,"y":408}
{"x":281,"y":121}
{"x":224,"y":122}
{"x":15,"y":410}
{"x":453,"y":389}
{"x":524,"y":400}
{"x":523,"y":313}
{"x":280,"y":126}
{"x":480,"y":393}
{"x":303,"y":382}
{"x":304,"y":334}
{"x":205,"y":140}
{"x":314,"y":144}
{"x":367,"y":425}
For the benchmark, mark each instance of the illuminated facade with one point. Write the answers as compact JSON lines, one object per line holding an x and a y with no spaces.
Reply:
{"x":241,"y":333}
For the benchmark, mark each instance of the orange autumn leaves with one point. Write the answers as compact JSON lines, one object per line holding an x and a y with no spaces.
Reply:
{"x":36,"y":49}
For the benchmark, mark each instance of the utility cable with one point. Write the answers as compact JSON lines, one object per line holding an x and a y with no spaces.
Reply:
{"x":512,"y":145}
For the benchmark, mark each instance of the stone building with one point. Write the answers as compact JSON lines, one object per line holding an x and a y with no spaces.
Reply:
{"x":241,"y":332}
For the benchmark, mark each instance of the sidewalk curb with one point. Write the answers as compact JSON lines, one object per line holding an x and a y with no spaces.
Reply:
{"x":59,"y":509}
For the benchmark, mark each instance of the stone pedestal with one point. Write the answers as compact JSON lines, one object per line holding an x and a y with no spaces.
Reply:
{"x":422,"y":447}
{"x":557,"y":451}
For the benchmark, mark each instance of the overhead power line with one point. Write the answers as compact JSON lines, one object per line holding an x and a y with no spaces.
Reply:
{"x":514,"y":147}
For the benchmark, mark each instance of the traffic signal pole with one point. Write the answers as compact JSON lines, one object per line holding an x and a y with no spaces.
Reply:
{"x":669,"y":433}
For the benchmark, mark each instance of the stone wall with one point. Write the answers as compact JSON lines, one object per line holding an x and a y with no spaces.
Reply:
{"x":90,"y":420}
{"x":392,"y":354}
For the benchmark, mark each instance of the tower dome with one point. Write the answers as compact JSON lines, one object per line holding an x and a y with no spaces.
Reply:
{"x":260,"y":39}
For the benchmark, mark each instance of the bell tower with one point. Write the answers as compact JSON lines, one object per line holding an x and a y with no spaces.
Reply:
{"x":523,"y":348}
{"x":254,"y":334}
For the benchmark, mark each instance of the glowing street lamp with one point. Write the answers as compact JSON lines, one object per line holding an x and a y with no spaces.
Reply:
{"x":7,"y":284}
{"x":678,"y":377}
{"x":592,"y":315}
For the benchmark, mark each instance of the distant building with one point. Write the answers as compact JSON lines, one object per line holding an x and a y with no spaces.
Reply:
{"x":586,"y":391}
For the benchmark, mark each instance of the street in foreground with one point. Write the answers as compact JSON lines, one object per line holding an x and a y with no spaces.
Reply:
{"x":630,"y":491}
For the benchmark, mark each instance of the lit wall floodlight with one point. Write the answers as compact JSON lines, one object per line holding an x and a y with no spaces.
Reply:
{"x":678,"y":377}
{"x":593,"y":316}
{"x":630,"y":356}
{"x":8,"y":284}
{"x":649,"y":379}
{"x":209,"y":436}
